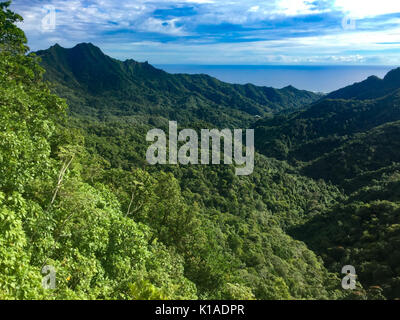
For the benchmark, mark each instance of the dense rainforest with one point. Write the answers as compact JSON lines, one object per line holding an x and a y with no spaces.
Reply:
{"x":77,"y":194}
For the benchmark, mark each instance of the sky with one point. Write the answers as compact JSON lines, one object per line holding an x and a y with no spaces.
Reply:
{"x":246,"y":32}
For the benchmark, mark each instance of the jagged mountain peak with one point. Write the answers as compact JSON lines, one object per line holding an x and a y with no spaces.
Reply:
{"x":84,"y":65}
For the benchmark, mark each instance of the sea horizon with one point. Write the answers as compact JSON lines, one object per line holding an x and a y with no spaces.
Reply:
{"x":316,"y":78}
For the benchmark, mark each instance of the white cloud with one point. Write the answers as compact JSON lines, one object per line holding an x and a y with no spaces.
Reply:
{"x":367,"y":8}
{"x":294,"y":7}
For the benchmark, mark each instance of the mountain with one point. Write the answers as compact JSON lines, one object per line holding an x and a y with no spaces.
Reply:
{"x":371,"y":88}
{"x":95,"y":84}
{"x":225,"y":232}
{"x":324,"y":126}
{"x":337,"y":194}
{"x":350,"y":138}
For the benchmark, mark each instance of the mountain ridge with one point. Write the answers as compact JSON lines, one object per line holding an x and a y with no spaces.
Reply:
{"x":144,"y":89}
{"x":371,"y":88}
{"x":323,"y":126}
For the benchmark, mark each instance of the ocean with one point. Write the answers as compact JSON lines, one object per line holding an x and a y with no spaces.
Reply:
{"x":313,"y":78}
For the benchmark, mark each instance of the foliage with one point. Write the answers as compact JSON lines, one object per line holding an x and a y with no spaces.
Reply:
{"x":77,"y":194}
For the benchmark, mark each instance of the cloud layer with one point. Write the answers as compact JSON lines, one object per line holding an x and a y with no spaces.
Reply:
{"x":222,"y":31}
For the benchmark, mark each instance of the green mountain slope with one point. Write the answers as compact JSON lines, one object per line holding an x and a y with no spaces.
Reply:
{"x":360,"y":159}
{"x":96,"y":84}
{"x":322,"y":127}
{"x":351,"y":143}
{"x":365,"y":235}
{"x":350,"y":138}
{"x":371,"y":88}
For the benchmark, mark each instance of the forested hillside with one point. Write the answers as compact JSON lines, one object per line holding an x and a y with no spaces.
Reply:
{"x":77,"y":194}
{"x":350,"y":138}
{"x":98,"y":85}
{"x":323,"y":126}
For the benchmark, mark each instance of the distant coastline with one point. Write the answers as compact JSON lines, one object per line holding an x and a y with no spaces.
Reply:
{"x":313,"y":78}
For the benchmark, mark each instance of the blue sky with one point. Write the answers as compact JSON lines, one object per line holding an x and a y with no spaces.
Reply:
{"x":288,"y":32}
